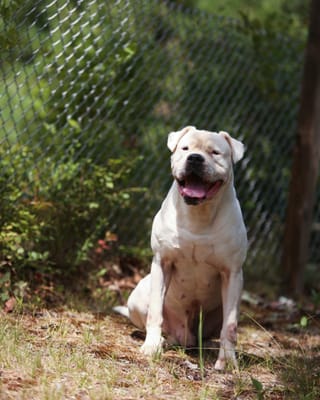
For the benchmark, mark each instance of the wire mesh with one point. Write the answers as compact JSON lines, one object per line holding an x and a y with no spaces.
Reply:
{"x":98,"y":80}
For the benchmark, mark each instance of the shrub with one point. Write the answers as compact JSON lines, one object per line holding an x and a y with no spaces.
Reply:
{"x":54,"y":218}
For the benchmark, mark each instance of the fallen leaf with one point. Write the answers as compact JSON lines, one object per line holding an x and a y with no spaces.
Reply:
{"x":10,"y":305}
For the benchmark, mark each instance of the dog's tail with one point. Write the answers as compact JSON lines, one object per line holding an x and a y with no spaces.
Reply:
{"x":122,"y":310}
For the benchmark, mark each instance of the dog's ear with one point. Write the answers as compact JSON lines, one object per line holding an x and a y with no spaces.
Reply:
{"x":174,"y":137}
{"x":237,"y":147}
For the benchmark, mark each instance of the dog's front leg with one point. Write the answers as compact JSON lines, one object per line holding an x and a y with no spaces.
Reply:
{"x":231,"y":293}
{"x":160,"y":279}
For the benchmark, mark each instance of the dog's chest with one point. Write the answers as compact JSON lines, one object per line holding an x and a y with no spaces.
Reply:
{"x":196,"y":270}
{"x":194,"y":280}
{"x":195,"y":250}
{"x":186,"y":248}
{"x":195,"y":260}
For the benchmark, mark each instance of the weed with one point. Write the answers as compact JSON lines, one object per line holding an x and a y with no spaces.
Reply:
{"x":258,"y":388}
{"x":200,"y":342}
{"x":302,"y":376}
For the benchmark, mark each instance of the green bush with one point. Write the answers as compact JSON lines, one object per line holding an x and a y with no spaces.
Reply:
{"x":52,"y":220}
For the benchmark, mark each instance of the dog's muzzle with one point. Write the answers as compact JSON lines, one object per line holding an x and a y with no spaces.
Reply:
{"x":192,"y":186}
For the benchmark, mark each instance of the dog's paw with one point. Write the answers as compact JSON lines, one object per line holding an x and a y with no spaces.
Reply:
{"x":220,"y":364}
{"x":152,"y":347}
{"x":229,"y":364}
{"x":227,"y":357}
{"x":230,"y":361}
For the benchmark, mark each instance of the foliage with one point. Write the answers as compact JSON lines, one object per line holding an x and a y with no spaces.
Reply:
{"x":59,"y":193}
{"x":292,"y":14}
{"x":88,"y":93}
{"x":52,"y":221}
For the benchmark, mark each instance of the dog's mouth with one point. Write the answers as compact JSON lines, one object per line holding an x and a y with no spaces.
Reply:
{"x":194,"y":189}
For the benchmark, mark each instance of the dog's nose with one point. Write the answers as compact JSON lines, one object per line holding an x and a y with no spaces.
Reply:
{"x":195,"y":158}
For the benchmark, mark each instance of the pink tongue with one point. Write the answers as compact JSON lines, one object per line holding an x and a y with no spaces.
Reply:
{"x":195,"y":190}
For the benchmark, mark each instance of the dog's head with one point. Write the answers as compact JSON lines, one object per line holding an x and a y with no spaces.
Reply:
{"x":201,"y":162}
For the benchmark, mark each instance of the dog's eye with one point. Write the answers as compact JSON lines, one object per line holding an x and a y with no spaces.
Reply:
{"x":215,"y":152}
{"x":185,"y":148}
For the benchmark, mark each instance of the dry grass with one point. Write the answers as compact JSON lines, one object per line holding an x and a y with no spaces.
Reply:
{"x":66,"y":354}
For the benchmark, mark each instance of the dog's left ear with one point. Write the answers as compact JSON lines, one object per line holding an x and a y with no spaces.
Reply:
{"x":174,"y":137}
{"x":237,"y":147}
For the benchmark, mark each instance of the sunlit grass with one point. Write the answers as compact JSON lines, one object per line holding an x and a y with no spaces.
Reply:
{"x":69,"y":354}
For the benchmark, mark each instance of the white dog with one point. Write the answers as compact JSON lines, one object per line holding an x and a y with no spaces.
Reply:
{"x":199,"y":243}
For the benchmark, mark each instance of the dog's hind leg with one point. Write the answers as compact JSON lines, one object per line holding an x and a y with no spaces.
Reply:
{"x":138,"y":303}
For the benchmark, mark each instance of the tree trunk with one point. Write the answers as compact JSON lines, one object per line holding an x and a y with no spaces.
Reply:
{"x":305,"y":164}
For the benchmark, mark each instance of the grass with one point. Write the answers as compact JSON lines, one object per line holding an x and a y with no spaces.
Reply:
{"x":200,"y":334}
{"x":68,"y":354}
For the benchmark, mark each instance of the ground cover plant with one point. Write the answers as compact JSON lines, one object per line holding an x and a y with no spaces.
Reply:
{"x":78,"y":349}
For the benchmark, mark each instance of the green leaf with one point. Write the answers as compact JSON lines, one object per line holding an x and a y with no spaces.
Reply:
{"x":258,"y":387}
{"x":74,"y":124}
{"x":50,"y":128}
{"x":304,"y":321}
{"x":257,"y":384}
{"x":93,"y":205}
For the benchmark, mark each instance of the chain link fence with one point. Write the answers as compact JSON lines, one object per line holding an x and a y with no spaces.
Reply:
{"x":98,"y":80}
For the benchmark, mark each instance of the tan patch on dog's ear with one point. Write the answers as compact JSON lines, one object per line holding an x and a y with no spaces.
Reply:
{"x":237,"y":147}
{"x":174,"y":137}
